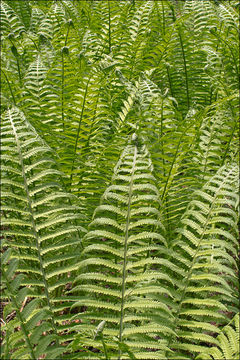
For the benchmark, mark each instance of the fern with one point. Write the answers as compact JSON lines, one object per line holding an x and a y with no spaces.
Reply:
{"x":10,"y":21}
{"x":40,"y":222}
{"x":207,"y":238}
{"x":124,"y":274}
{"x":23,"y":10}
{"x":29,"y":340}
{"x":119,"y":117}
{"x":228,"y":343}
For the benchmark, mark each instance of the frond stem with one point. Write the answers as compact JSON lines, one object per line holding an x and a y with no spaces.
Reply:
{"x":79,"y":127}
{"x":170,"y":171}
{"x":185,"y":67}
{"x":66,"y":39}
{"x":62,"y":92}
{"x":109,"y":28}
{"x":10,"y":88}
{"x":229,"y":142}
{"x":125,"y":249}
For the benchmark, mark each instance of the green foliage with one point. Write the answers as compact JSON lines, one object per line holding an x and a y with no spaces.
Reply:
{"x":228,"y":343}
{"x":119,"y":256}
{"x":119,"y":213}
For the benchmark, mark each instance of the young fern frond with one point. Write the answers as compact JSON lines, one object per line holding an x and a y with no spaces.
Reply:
{"x":206,"y":251}
{"x":34,"y":94}
{"x":23,"y":10}
{"x":134,"y":40}
{"x":37,"y":17}
{"x":43,"y":219}
{"x":215,"y":139}
{"x":120,"y":271}
{"x":10,"y":22}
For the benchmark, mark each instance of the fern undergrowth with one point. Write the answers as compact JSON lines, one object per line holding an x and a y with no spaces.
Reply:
{"x":119,"y":186}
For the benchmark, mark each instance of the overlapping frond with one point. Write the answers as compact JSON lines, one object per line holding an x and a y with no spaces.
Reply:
{"x":228,"y":343}
{"x":25,"y":333}
{"x":157,"y":278}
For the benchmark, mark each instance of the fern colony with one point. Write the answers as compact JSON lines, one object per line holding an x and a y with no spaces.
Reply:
{"x":119,"y":179}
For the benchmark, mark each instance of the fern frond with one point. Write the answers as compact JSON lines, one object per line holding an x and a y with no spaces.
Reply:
{"x":10,"y":22}
{"x":41,"y":228}
{"x":228,"y":343}
{"x":203,"y":235}
{"x":29,"y":314}
{"x":123,"y":251}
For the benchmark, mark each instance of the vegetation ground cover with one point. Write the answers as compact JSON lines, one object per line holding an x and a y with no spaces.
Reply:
{"x":119,"y":186}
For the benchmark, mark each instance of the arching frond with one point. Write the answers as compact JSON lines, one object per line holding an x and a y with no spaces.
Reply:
{"x":121,"y":243}
{"x":206,"y":249}
{"x":44,"y":220}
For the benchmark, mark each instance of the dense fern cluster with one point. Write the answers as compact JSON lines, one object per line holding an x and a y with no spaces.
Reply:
{"x":119,"y":179}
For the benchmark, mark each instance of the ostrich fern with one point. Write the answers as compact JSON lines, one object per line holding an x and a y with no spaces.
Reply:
{"x":119,"y":202}
{"x":119,"y":264}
